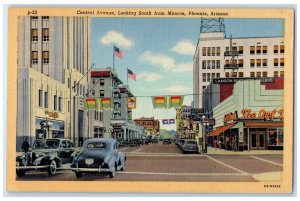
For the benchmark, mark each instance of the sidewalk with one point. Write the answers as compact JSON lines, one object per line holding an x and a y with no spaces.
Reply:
{"x":211,"y":150}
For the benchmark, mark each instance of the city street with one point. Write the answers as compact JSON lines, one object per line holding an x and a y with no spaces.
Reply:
{"x":158,"y":162}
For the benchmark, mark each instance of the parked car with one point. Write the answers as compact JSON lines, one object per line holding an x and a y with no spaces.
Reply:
{"x":181,"y":143}
{"x":154,"y":140}
{"x":167,"y":141}
{"x":48,"y":155}
{"x":134,"y":142}
{"x":99,"y":155}
{"x":190,"y":146}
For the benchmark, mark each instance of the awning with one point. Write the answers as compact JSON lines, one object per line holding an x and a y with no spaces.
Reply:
{"x":264,"y":124}
{"x":220,"y":130}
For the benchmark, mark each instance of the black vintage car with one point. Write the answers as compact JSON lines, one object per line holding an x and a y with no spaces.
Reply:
{"x":48,"y":155}
{"x":167,"y":141}
{"x":190,"y":146}
{"x":135,"y":142}
{"x":99,"y":155}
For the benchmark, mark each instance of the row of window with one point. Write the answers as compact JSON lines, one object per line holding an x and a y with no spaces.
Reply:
{"x":35,"y":57}
{"x":101,"y":93}
{"x":265,"y":74}
{"x":215,"y":51}
{"x":80,"y":89}
{"x":234,"y":74}
{"x":211,"y":64}
{"x":43,"y":101}
{"x":101,"y":82}
{"x":35,"y":36}
{"x":264,"y":62}
{"x":207,"y":77}
{"x":210,"y":51}
{"x":240,"y":62}
{"x":98,"y":115}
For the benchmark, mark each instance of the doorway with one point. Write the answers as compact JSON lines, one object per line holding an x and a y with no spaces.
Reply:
{"x":257,"y":139}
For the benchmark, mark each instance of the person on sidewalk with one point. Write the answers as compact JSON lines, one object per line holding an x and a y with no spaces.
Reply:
{"x":25,"y":145}
{"x":227,"y":141}
{"x":234,"y":144}
{"x":215,"y":144}
{"x":220,"y":143}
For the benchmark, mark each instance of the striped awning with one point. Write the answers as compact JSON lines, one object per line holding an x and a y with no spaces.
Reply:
{"x":220,"y":130}
{"x":264,"y":124}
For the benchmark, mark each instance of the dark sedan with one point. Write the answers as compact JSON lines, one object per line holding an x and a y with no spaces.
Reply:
{"x":190,"y":146}
{"x":99,"y":155}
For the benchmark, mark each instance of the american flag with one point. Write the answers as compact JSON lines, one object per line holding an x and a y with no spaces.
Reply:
{"x":118,"y":52}
{"x":131,"y":74}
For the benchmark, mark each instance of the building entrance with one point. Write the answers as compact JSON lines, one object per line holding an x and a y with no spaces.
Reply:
{"x":257,"y":139}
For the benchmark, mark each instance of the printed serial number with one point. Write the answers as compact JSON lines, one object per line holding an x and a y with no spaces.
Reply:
{"x":32,"y":12}
{"x":272,"y":186}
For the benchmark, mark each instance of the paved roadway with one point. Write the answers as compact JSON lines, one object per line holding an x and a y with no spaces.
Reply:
{"x":158,"y":162}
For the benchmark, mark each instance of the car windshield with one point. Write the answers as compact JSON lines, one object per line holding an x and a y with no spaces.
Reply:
{"x":190,"y":142}
{"x":96,"y":145}
{"x":46,"y":144}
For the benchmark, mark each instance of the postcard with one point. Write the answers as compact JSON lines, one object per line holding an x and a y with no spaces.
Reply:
{"x":191,"y":100}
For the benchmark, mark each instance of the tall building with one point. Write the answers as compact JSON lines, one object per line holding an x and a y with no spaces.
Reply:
{"x":150,"y":124}
{"x":216,"y":55}
{"x":53,"y":56}
{"x":116,"y":121}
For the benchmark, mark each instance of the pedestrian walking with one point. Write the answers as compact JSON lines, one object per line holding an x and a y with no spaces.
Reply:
{"x":227,"y":141}
{"x":25,"y":145}
{"x":215,"y":144}
{"x":220,"y":143}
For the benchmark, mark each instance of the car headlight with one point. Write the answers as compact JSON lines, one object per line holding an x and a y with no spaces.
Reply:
{"x":89,"y":161}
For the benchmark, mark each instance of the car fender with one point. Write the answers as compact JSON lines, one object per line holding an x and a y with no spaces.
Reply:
{"x":55,"y":158}
{"x":111,"y":163}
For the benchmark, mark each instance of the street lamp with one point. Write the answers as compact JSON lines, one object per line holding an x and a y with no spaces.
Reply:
{"x":205,"y":124}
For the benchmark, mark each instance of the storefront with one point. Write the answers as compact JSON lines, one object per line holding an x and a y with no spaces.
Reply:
{"x":49,"y":128}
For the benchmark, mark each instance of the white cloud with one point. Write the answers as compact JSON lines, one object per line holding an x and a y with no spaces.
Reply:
{"x":185,"y":47}
{"x":149,"y":77}
{"x":178,"y":89}
{"x":159,"y":60}
{"x":184,"y":67}
{"x":116,"y":38}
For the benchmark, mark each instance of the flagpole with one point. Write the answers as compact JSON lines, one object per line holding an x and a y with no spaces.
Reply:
{"x":113,"y":58}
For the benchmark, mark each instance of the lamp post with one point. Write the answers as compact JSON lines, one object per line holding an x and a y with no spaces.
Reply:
{"x":204,"y":125}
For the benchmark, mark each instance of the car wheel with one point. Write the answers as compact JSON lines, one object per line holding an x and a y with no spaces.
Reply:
{"x":78,"y":174}
{"x":112,"y":173}
{"x":123,"y":168}
{"x":20,"y":173}
{"x":52,"y":168}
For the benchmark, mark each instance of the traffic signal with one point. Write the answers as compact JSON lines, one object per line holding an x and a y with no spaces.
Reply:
{"x":197,"y":127}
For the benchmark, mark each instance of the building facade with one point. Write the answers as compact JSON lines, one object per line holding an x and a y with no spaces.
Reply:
{"x":249,"y":112}
{"x":255,"y":57}
{"x":150,"y":124}
{"x":53,"y":56}
{"x":116,"y":121}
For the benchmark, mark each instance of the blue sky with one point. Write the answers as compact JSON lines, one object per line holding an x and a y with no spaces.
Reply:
{"x":160,"y":52}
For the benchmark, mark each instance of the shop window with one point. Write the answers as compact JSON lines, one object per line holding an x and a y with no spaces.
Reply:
{"x":252,"y":63}
{"x":101,"y":93}
{"x":204,"y":64}
{"x":34,"y":57}
{"x":241,"y":50}
{"x":203,"y":77}
{"x":40,"y":98}
{"x":252,"y":49}
{"x":227,"y":74}
{"x":258,"y":74}
{"x":275,"y":62}
{"x":275,"y":73}
{"x":218,"y":75}
{"x":218,"y":51}
{"x":265,"y":49}
{"x":45,"y":57}
{"x":258,"y":62}
{"x":208,"y":51}
{"x":46,"y":34}
{"x":218,"y":64}
{"x":46,"y":100}
{"x":258,"y":49}
{"x":275,"y":49}
{"x":265,"y":74}
{"x":241,"y":63}
{"x":203,"y":51}
{"x":281,"y":61}
{"x":275,"y":137}
{"x":281,"y":73}
{"x":208,"y":64}
{"x":241,"y":74}
{"x":282,"y":49}
{"x":252,"y":74}
{"x":34,"y":35}
{"x":265,"y":62}
{"x":213,"y":51}
{"x":213,"y":62}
